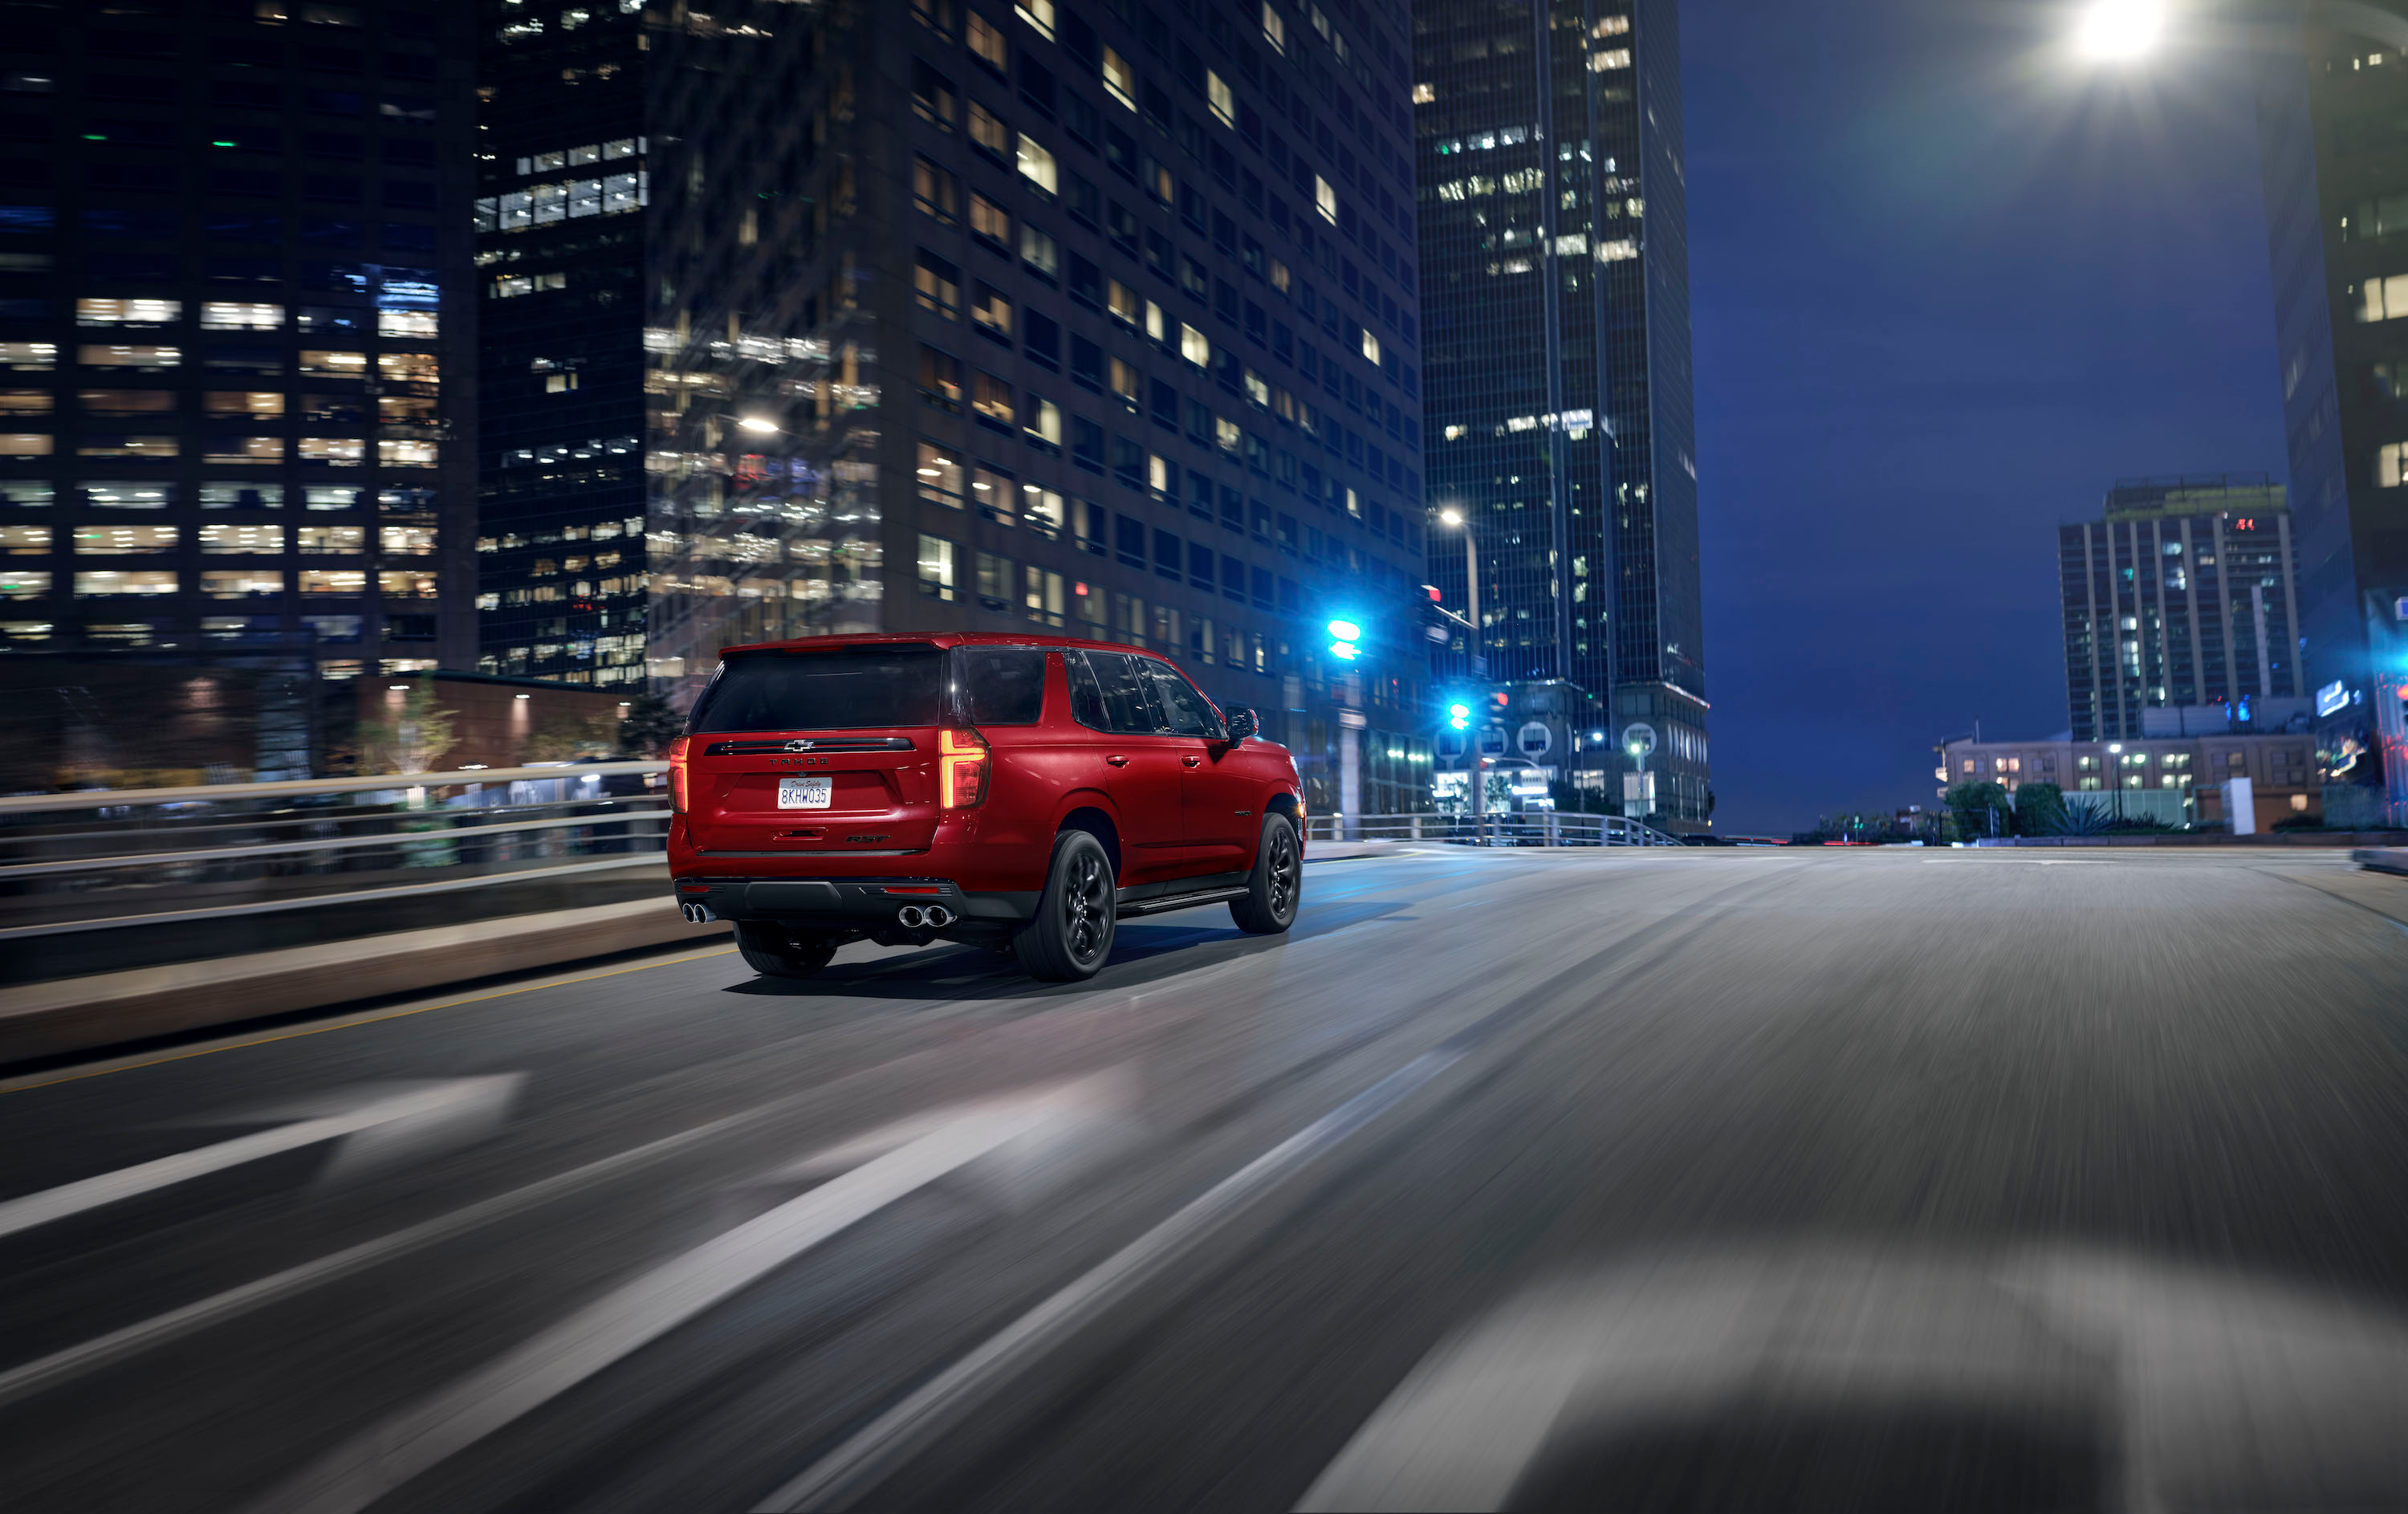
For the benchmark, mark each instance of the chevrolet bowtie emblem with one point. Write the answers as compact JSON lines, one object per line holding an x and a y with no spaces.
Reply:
{"x":799,"y":746}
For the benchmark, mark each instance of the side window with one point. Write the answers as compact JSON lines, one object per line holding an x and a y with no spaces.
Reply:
{"x":1122,"y":690}
{"x":1086,"y":695}
{"x":1004,"y":685}
{"x":1181,"y":707}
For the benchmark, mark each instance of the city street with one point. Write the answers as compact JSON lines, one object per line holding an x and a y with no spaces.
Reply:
{"x":1631,"y":1179}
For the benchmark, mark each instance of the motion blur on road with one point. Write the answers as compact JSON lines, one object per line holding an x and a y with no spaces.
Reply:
{"x":1638,"y":1179}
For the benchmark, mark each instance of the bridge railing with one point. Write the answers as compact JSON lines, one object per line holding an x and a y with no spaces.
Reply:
{"x":1529,"y":829}
{"x":100,"y":859}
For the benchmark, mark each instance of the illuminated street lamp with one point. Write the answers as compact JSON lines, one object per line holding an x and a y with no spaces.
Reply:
{"x":1456,"y":520}
{"x":2120,"y":31}
{"x":760,"y":425}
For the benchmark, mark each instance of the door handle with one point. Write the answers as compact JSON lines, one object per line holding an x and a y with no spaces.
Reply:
{"x":1117,"y":762}
{"x":1190,"y":761}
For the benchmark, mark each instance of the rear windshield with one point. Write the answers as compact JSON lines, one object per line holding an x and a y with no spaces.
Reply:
{"x":849,"y":688}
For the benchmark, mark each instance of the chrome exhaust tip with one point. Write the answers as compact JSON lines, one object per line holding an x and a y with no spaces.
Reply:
{"x":697,"y":913}
{"x":938,"y":916}
{"x":912,"y":916}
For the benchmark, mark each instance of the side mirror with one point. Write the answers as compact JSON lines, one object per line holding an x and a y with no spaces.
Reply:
{"x":1244,"y":722}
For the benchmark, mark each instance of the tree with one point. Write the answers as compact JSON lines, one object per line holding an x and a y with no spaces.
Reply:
{"x":647,"y":727}
{"x":1979,"y":810}
{"x":413,"y":738}
{"x":2040,"y":810}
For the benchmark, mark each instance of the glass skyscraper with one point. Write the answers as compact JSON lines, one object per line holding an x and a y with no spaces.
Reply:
{"x":960,"y":314}
{"x":233,"y":266}
{"x":2332,"y":86}
{"x":1557,"y":403}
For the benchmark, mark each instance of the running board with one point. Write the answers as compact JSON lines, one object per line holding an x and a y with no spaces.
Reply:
{"x":1182,"y":902}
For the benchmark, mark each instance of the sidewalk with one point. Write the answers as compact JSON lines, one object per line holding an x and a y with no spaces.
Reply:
{"x":2381,"y":859}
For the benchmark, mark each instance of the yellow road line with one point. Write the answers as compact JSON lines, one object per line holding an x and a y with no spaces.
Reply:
{"x":344,"y":1023}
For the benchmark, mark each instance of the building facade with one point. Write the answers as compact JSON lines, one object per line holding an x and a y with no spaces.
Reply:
{"x":2330,"y":88}
{"x":957,"y":315}
{"x":2182,"y":596}
{"x":1559,"y":405}
{"x":234,"y":276}
{"x":2173,"y":779}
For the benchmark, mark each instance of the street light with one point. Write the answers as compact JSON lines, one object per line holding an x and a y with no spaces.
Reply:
{"x":1455,"y":520}
{"x":2120,"y":31}
{"x":760,"y":425}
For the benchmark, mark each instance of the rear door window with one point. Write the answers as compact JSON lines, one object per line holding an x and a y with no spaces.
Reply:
{"x":848,"y":688}
{"x":1116,"y":699}
{"x":1002,"y":686}
{"x":1183,"y":709}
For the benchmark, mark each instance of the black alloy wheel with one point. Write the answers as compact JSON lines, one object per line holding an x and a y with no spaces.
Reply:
{"x":1077,"y":916}
{"x":1276,"y":887}
{"x":778,"y":951}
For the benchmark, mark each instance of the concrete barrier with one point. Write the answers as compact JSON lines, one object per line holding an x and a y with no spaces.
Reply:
{"x":68,"y":1015}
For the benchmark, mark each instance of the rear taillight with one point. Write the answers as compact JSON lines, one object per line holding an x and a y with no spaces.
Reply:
{"x":678,"y":774}
{"x":961,"y":763}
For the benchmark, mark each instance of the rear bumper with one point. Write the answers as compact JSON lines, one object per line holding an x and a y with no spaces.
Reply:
{"x":845,"y":903}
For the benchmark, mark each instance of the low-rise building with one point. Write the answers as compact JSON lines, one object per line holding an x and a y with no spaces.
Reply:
{"x":2182,"y":773}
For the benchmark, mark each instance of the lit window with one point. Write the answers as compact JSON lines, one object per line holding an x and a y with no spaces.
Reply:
{"x":241,"y":582}
{"x":1325,"y":199}
{"x":28,"y":356}
{"x":1122,"y":302}
{"x":935,"y":191}
{"x":407,"y":368}
{"x":2384,"y":300}
{"x":1425,"y":94}
{"x":1194,"y":347}
{"x":938,"y":282}
{"x":991,"y":313}
{"x":123,"y":541}
{"x":242,"y":402}
{"x":1617,"y":251}
{"x":1599,"y":62}
{"x":128,"y":313}
{"x":241,"y":538}
{"x":936,"y":567}
{"x":1120,"y":80}
{"x":987,"y":44}
{"x":989,"y":223}
{"x":1274,"y":27}
{"x":1128,"y":383}
{"x":406,"y":451}
{"x":990,"y":398}
{"x":987,"y":131}
{"x":338,"y":541}
{"x":1370,"y":348}
{"x":112,"y":584}
{"x":2391,"y":464}
{"x":1038,"y":14}
{"x":939,"y":475}
{"x":1037,"y":164}
{"x":17,"y":584}
{"x":1224,"y":104}
{"x":1044,"y":422}
{"x":406,"y":323}
{"x":334,"y":365}
{"x":333,"y":451}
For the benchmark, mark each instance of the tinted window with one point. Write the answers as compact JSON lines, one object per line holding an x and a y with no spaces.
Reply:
{"x":1183,"y":709}
{"x":1005,"y":685}
{"x":1117,"y":699}
{"x":847,"y":689}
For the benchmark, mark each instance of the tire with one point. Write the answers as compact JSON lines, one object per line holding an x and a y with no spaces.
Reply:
{"x":1276,"y":888}
{"x":1072,"y":937}
{"x":775,"y":951}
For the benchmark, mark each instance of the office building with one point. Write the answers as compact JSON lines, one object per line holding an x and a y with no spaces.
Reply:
{"x":234,"y":258}
{"x":2176,"y":780}
{"x":2180,"y":606}
{"x":946,"y":316}
{"x":1557,"y":403}
{"x":2331,"y":87}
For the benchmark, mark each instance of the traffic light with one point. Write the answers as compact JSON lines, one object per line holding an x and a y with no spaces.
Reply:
{"x":1345,"y":640}
{"x":1460,"y":716}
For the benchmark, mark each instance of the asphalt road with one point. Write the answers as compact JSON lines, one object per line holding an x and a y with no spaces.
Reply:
{"x":1651,"y":1180}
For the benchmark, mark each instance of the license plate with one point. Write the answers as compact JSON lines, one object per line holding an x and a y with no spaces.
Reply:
{"x":804,"y":793}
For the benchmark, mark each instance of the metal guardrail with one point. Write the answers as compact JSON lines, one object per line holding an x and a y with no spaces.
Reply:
{"x":1533,"y":829}
{"x":239,"y":849}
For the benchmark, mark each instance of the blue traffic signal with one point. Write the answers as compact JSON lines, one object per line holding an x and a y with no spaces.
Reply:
{"x":1344,"y":640}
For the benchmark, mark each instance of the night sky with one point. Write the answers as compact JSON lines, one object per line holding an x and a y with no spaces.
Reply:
{"x":1947,"y":286}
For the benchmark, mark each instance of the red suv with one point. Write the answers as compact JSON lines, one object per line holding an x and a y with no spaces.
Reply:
{"x":1016,"y":792}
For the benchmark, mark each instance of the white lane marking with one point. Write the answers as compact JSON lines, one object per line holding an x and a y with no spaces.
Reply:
{"x":363,"y":1469}
{"x":375,"y":1126}
{"x":856,"y":1466}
